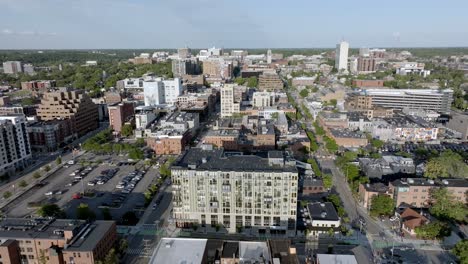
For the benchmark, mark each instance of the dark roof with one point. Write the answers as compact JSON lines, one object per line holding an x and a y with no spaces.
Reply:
{"x":213,"y":250}
{"x":40,"y":228}
{"x":322,"y":211}
{"x":376,"y":187}
{"x":280,"y":248}
{"x":230,"y":249}
{"x":275,"y":154}
{"x":88,"y":240}
{"x":216,"y":160}
{"x":312,"y":182}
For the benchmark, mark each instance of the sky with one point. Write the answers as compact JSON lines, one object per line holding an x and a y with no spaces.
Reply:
{"x":158,"y":24}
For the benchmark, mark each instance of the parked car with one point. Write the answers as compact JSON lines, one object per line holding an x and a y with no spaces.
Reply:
{"x":120,"y":186}
{"x":76,"y":196}
{"x":92,"y":183}
{"x":49,"y":193}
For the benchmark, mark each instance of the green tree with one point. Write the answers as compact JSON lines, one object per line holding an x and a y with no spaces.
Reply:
{"x":51,"y":210}
{"x":84,"y":212}
{"x":327,"y":181}
{"x":37,"y":175}
{"x":445,"y":206}
{"x":330,"y":144}
{"x":315,"y":167}
{"x":58,"y":160}
{"x":110,"y":258}
{"x":252,"y":82}
{"x":127,"y":130}
{"x":164,"y":170}
{"x":461,"y":251}
{"x":376,"y":143}
{"x":304,"y":93}
{"x":7,"y":195}
{"x":136,"y":154}
{"x":382,"y":205}
{"x":333,"y":102}
{"x":22,"y":184}
{"x":47,"y":168}
{"x":448,"y":164}
{"x":434,"y":230}
{"x":274,"y":115}
{"x":334,"y":199}
{"x":240,"y":80}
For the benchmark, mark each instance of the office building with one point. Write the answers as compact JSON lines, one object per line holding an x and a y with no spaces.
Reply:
{"x":75,"y":105}
{"x":15,"y":149}
{"x":12,"y":67}
{"x":269,"y":56}
{"x":366,"y":65}
{"x":258,"y":193}
{"x":412,"y":68}
{"x":427,"y":99}
{"x":341,"y":56}
{"x":38,"y":85}
{"x":229,"y":104}
{"x":184,"y":53}
{"x":48,"y":136}
{"x":119,"y":114}
{"x":183,"y":67}
{"x":29,"y":69}
{"x":144,"y":116}
{"x":133,"y":85}
{"x":56,"y":241}
{"x":270,"y":81}
{"x":160,"y":91}
{"x":217,"y":68}
{"x":262,"y":99}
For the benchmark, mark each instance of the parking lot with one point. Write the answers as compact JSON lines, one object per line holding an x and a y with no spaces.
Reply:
{"x":64,"y":186}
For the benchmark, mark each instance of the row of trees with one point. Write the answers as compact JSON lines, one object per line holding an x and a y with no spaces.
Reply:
{"x":249,"y":82}
{"x":101,"y":143}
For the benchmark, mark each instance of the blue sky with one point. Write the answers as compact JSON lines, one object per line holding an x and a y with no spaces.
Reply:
{"x":93,"y":24}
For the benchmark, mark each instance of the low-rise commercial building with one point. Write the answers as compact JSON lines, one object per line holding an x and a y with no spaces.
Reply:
{"x":48,"y":136}
{"x":56,"y":240}
{"x":38,"y":85}
{"x":369,"y":190}
{"x":387,"y":166}
{"x":323,"y":218}
{"x":368,"y":83}
{"x":348,"y":139}
{"x":270,"y":81}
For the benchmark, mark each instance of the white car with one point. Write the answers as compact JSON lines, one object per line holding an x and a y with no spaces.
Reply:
{"x":120,"y":186}
{"x":101,"y":182}
{"x":71,"y":162}
{"x":49,"y":193}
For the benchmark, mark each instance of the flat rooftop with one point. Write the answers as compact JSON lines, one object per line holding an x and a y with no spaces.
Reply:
{"x":218,"y":160}
{"x":38,"y":228}
{"x":88,"y":240}
{"x":178,"y":251}
{"x":322,"y":211}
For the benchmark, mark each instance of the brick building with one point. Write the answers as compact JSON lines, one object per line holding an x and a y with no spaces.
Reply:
{"x":119,"y":114}
{"x":269,"y":81}
{"x":75,"y":105}
{"x":368,"y":83}
{"x":55,"y":241}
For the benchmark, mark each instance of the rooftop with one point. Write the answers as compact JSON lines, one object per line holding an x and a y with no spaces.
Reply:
{"x":179,"y":250}
{"x":216,"y":160}
{"x":341,"y":133}
{"x":426,"y":182}
{"x":322,"y":211}
{"x":90,"y":237}
{"x":38,"y":228}
{"x":335,"y":258}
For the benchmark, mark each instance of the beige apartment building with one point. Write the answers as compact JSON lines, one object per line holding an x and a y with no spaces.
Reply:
{"x":259,"y":194}
{"x":416,"y":191}
{"x":269,"y":81}
{"x":75,"y":105}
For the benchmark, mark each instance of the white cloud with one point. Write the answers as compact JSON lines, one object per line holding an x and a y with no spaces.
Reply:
{"x":27,"y":33}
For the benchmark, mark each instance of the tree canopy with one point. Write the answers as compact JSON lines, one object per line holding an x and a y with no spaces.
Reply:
{"x":51,"y":210}
{"x":382,"y":205}
{"x":84,"y":212}
{"x":461,"y":251}
{"x":445,"y":206}
{"x":127,"y":130}
{"x":434,"y":230}
{"x":448,"y":164}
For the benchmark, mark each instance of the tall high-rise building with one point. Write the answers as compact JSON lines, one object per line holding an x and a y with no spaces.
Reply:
{"x":75,"y":105}
{"x":229,"y":105}
{"x":269,"y":56}
{"x":14,"y":144}
{"x":341,"y":56}
{"x":184,"y":53}
{"x":12,"y":67}
{"x":247,"y":191}
{"x":185,"y":66}
{"x":158,"y":91}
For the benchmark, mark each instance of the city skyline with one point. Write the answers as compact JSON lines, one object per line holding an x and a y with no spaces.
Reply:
{"x":136,"y":24}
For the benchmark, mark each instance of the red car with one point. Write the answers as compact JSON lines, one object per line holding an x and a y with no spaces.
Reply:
{"x":76,"y":196}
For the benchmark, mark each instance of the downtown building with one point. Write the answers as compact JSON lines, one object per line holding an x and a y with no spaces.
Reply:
{"x":55,"y":241}
{"x":119,"y":114}
{"x":74,"y":105}
{"x":160,"y":91}
{"x":15,"y":150}
{"x":12,"y":67}
{"x":233,"y":191}
{"x":426,"y":99}
{"x":341,"y":56}
{"x":181,"y":67}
